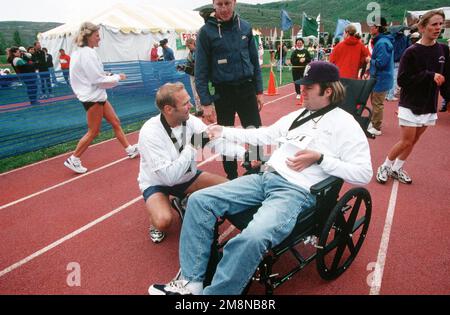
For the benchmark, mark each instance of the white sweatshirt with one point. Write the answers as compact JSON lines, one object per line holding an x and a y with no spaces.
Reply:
{"x":87,"y":76}
{"x":162,"y":164}
{"x":337,"y":136}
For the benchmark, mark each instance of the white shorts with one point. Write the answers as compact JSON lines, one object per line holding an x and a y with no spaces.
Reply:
{"x":408,"y":119}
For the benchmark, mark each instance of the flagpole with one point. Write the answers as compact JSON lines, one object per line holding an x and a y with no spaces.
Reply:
{"x":281,"y":57}
{"x":318,"y":35}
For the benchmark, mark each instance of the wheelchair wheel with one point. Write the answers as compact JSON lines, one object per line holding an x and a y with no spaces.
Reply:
{"x":343,"y":233}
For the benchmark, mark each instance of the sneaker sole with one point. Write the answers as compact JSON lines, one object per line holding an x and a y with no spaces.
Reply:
{"x":156,"y":241}
{"x":73,"y":169}
{"x":380,"y":181}
{"x":154,"y":291}
{"x":132,"y":156}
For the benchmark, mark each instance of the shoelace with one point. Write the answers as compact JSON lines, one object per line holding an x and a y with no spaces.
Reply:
{"x":178,"y":286}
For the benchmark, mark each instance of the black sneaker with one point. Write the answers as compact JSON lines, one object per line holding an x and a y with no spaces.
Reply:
{"x":174,"y":287}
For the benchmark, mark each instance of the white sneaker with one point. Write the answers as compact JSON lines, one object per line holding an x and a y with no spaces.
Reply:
{"x":156,"y":235}
{"x":401,"y":176}
{"x":298,"y":96}
{"x":383,"y":174}
{"x":75,"y":165}
{"x":133,"y":152}
{"x":374,"y":131}
{"x":175,"y":287}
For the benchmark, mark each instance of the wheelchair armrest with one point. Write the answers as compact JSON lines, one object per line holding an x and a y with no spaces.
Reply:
{"x":326,"y":184}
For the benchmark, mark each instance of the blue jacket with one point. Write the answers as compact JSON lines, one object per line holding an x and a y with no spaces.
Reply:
{"x":382,"y":62}
{"x":168,"y":54}
{"x":226,"y":53}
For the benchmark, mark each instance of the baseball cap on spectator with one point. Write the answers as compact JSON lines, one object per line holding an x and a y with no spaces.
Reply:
{"x":21,"y":48}
{"x":318,"y":72}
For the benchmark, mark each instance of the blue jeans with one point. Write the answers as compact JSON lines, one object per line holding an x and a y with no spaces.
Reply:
{"x":391,"y":93}
{"x":281,"y":201}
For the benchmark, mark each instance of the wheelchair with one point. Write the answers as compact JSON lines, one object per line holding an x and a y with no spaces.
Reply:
{"x":331,"y":233}
{"x":357,"y":93}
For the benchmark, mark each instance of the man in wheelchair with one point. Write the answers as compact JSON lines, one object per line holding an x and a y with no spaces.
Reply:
{"x":316,"y":141}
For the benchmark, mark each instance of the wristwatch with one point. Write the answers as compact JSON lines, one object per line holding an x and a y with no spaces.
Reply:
{"x":320,"y":159}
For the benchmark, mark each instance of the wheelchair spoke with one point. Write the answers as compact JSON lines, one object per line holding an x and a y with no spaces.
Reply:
{"x":351,"y":246}
{"x":338,"y":256}
{"x":358,"y":224}
{"x":353,"y":214}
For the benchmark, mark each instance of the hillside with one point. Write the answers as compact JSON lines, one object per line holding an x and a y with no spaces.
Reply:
{"x":268,"y":15}
{"x":27,"y":32}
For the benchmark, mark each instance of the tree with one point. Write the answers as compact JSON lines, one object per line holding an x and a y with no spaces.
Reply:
{"x":16,"y":38}
{"x":3,"y":44}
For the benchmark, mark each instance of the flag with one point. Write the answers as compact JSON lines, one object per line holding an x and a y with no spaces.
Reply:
{"x":309,"y":26}
{"x":286,"y":22}
{"x":340,"y":27}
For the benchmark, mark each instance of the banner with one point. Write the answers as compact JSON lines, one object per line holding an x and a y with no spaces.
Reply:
{"x":309,"y":26}
{"x":185,"y":36}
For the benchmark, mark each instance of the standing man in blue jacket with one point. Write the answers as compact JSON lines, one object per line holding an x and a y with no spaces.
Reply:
{"x":228,"y":58}
{"x":382,"y":69}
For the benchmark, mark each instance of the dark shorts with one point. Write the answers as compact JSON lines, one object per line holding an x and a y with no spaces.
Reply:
{"x":88,"y":105}
{"x":177,"y":190}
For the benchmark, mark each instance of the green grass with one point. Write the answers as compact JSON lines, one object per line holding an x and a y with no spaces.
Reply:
{"x":17,"y":161}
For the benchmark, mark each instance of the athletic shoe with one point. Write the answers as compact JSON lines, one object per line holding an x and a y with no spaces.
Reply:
{"x":174,"y":287}
{"x":383,"y":173}
{"x":401,"y":176}
{"x":155,"y":235}
{"x":133,"y":152}
{"x":75,"y":165}
{"x":374,"y":131}
{"x":180,"y":206}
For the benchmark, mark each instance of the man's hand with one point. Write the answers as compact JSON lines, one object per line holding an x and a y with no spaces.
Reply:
{"x":209,"y":113}
{"x":214,"y":131}
{"x":303,"y":159}
{"x":260,"y":100}
{"x":439,"y":79}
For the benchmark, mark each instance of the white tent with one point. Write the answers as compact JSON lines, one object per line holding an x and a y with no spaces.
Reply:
{"x":414,"y":16}
{"x":128,"y":32}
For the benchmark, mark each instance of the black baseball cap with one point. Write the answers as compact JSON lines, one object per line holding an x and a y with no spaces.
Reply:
{"x":319,"y":72}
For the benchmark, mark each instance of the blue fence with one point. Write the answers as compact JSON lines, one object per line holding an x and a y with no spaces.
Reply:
{"x":39,"y":111}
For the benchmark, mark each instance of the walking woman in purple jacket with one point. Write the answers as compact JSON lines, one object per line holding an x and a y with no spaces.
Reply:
{"x":424,"y":71}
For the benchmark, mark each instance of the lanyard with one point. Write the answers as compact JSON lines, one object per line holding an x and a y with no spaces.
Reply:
{"x":172,"y":137}
{"x":299,"y":121}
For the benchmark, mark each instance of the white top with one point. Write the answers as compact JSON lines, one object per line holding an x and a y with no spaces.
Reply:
{"x":337,"y":136}
{"x":162,"y":164}
{"x":87,"y":77}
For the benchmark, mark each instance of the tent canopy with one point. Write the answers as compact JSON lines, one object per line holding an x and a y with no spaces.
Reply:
{"x":128,"y":32}
{"x":137,"y":19}
{"x":413,"y":16}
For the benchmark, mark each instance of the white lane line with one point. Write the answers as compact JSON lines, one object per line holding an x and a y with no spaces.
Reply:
{"x":67,"y":237}
{"x":381,"y":260}
{"x":280,"y":98}
{"x":58,"y":156}
{"x":227,"y":232}
{"x":61,"y":184}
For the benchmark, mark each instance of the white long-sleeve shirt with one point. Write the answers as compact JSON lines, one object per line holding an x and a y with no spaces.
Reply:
{"x":336,"y":135}
{"x":87,"y":76}
{"x":162,"y":164}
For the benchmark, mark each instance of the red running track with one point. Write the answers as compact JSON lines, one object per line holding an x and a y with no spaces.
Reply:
{"x":50,"y":218}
